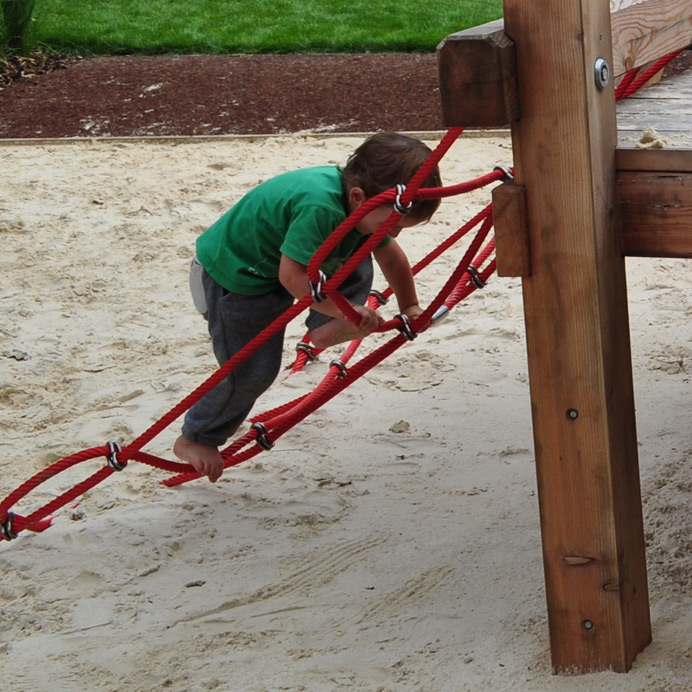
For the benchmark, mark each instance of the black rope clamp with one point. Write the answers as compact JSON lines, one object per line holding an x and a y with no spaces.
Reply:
{"x":316,"y":289}
{"x":301,"y":346}
{"x":405,"y":327}
{"x":112,"y":457}
{"x":509,"y":173}
{"x":399,"y":208}
{"x":6,"y":531}
{"x":340,"y":366}
{"x":381,"y":300}
{"x":262,"y":440}
{"x":475,"y":277}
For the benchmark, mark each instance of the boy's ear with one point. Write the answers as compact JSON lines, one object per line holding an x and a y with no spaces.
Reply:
{"x":356,"y":197}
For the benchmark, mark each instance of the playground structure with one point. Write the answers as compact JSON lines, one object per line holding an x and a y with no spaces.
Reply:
{"x":577,"y":207}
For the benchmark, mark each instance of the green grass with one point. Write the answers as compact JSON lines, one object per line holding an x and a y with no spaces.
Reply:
{"x":253,"y":26}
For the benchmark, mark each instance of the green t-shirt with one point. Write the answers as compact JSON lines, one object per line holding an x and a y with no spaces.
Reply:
{"x":291,"y":214}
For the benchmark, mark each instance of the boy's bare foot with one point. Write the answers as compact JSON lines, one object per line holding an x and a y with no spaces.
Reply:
{"x":203,"y":458}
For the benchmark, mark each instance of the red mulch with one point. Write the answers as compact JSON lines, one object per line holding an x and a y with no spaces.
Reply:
{"x":54,"y":96}
{"x":220,"y":95}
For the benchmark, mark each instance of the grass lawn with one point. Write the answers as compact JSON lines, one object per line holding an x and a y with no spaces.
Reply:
{"x":253,"y":26}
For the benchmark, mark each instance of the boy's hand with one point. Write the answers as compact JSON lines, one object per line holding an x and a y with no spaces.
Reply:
{"x":413,"y":312}
{"x":370,"y":320}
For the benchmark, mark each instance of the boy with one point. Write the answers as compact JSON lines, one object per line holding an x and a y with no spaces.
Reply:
{"x":251,"y":265}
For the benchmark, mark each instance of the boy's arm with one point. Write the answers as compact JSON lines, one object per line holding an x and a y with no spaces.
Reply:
{"x":397,"y":271}
{"x":294,"y":278}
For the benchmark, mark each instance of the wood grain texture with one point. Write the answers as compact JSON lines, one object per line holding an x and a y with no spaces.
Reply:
{"x":511,"y":230}
{"x":647,"y":30}
{"x":655,"y":195}
{"x":477,"y":76}
{"x":477,"y":69}
{"x":578,"y":338}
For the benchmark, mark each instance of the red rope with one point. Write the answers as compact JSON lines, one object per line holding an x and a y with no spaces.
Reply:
{"x":629,"y":85}
{"x":278,"y":420}
{"x":373,"y":203}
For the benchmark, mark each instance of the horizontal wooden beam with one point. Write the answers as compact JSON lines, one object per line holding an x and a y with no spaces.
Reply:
{"x":477,"y":73}
{"x":655,"y":195}
{"x":645,"y":30}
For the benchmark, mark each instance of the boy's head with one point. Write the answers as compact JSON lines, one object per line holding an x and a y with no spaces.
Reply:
{"x":386,"y":159}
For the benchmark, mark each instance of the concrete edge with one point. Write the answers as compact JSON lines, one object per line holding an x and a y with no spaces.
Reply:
{"x":172,"y":139}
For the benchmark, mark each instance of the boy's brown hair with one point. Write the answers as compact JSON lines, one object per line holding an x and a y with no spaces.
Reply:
{"x":386,"y":159}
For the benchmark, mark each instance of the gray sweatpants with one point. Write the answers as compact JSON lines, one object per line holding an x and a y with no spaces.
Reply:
{"x":233,"y":321}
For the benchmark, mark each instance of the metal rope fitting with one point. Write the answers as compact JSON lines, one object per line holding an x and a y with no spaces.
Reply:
{"x":405,"y":327}
{"x":262,"y":440}
{"x":509,"y":173}
{"x":399,"y":208}
{"x":340,"y":366}
{"x":475,"y":277}
{"x":381,"y":300}
{"x":112,"y":457}
{"x":440,"y":314}
{"x":6,"y":530}
{"x":316,"y":289}
{"x":307,"y":350}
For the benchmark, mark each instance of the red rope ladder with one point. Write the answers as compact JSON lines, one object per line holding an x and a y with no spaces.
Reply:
{"x":471,"y":273}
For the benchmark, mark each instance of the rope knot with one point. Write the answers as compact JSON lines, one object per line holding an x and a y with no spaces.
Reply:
{"x":508,"y":172}
{"x":316,"y":288}
{"x":405,"y":327}
{"x":112,"y":457}
{"x":340,"y":366}
{"x":301,"y":346}
{"x":7,"y":532}
{"x":262,"y":440}
{"x":399,"y":208}
{"x":379,"y":297}
{"x":475,"y":277}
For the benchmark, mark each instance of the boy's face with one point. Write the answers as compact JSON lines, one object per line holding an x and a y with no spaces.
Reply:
{"x":372,"y":221}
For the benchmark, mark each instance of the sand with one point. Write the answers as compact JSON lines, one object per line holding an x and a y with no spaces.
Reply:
{"x":361,"y":553}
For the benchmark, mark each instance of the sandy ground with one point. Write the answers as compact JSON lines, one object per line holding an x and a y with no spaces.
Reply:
{"x":358,"y":554}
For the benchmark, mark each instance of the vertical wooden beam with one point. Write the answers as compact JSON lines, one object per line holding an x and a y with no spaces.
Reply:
{"x":578,"y":337}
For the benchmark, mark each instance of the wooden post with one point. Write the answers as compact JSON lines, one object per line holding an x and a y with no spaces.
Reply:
{"x":578,"y":337}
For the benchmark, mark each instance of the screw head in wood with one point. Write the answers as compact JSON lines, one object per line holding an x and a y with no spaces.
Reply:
{"x":602,"y":73}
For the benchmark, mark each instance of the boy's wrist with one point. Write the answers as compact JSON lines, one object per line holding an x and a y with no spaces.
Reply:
{"x":409,"y":307}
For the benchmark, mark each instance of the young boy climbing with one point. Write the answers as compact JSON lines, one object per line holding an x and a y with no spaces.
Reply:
{"x":252,"y":264}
